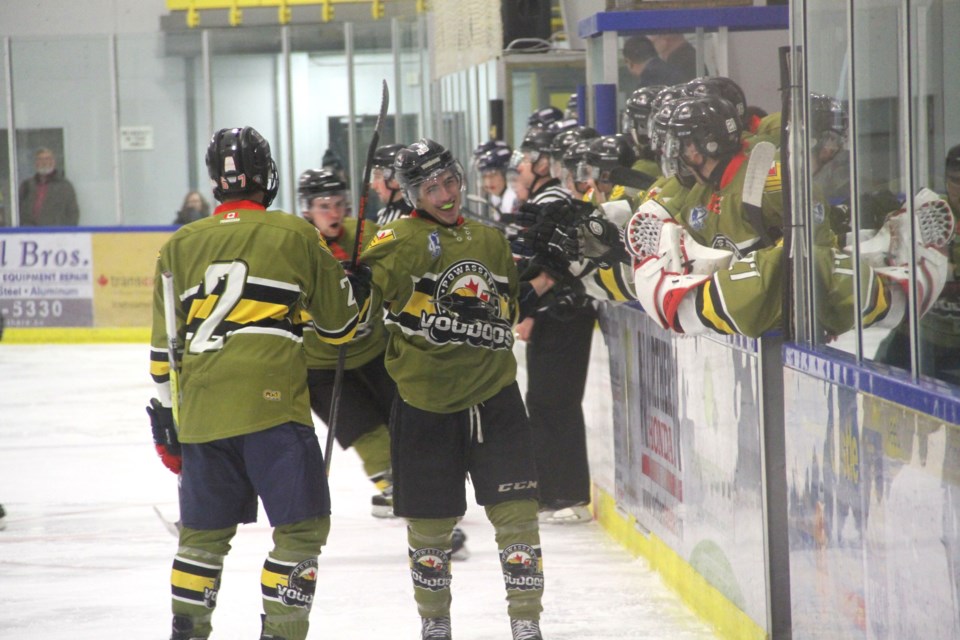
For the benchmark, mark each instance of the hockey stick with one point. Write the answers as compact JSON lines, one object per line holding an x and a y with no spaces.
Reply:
{"x":170,"y":322}
{"x":361,"y":217}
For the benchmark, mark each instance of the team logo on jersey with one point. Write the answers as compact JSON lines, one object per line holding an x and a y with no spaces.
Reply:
{"x":272,"y":395}
{"x":466,"y":305}
{"x":430,"y":569}
{"x":301,"y":585}
{"x":522,"y":567}
{"x":384,"y":235}
{"x":433,"y":244}
{"x":698,"y":217}
{"x":230,"y":216}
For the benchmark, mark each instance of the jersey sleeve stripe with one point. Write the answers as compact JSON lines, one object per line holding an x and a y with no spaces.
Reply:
{"x":712,"y":310}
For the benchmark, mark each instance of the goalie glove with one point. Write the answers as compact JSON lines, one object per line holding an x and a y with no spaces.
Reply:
{"x":888,"y":252}
{"x":165,"y":435}
{"x":668,"y":263}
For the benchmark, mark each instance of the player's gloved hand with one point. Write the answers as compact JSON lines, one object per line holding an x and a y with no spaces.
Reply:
{"x":360,"y":276}
{"x":557,"y":267}
{"x":602,"y":241}
{"x":527,"y":215}
{"x":165,"y":435}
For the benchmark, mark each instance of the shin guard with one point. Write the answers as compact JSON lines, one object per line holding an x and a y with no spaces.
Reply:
{"x":429,"y":541}
{"x":518,"y":538}
{"x":195,"y":578}
{"x":288,"y":582}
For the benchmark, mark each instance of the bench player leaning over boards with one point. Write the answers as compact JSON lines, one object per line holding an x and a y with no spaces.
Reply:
{"x":452,"y":295}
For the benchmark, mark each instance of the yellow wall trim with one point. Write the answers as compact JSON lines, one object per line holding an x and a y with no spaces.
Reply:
{"x":49,"y":335}
{"x":705,"y":600}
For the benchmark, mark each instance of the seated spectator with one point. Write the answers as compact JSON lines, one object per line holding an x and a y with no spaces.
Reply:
{"x":194,"y":207}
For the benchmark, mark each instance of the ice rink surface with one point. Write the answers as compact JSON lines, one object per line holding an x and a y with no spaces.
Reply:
{"x":85,"y":557}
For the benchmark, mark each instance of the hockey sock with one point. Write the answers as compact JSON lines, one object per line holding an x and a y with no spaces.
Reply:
{"x":429,"y":541}
{"x":518,"y":538}
{"x":195,"y":578}
{"x":289,"y":578}
{"x":374,"y":451}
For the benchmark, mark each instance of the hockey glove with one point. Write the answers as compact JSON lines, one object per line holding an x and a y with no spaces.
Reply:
{"x":165,"y":435}
{"x":602,"y":241}
{"x":360,"y":277}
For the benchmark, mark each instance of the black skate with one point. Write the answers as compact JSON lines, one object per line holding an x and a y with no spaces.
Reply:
{"x":435,"y":628}
{"x":525,"y":629}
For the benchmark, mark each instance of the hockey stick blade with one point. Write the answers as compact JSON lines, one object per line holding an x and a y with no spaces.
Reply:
{"x":172,"y":527}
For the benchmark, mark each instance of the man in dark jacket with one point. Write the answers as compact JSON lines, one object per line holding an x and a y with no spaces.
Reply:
{"x":47,"y":199}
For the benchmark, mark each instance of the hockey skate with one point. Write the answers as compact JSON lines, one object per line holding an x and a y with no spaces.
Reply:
{"x":525,"y":629}
{"x":574,"y":514}
{"x":382,"y":503}
{"x":435,"y":628}
{"x":183,"y":629}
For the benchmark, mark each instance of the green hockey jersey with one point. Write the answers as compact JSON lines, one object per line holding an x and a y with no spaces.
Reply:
{"x":371,"y":338}
{"x":241,"y":278}
{"x":444,"y":360}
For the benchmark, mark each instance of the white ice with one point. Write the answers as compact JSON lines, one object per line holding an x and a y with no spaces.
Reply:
{"x":85,"y":557}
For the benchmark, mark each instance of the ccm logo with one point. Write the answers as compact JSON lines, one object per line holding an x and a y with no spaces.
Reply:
{"x":517,"y":486}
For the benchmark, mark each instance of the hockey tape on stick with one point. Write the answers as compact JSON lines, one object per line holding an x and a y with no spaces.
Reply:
{"x":361,"y":216}
{"x":170,"y":323}
{"x":758,"y":168}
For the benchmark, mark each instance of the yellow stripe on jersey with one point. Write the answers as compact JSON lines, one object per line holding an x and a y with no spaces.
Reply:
{"x":417,"y":304}
{"x":201,"y":308}
{"x":611,"y":282}
{"x":248,"y":311}
{"x":878,"y":304}
{"x":709,"y":312}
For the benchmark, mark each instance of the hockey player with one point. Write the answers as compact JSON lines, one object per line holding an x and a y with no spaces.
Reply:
{"x":240,"y":279}
{"x":492,"y":167}
{"x":603,"y":156}
{"x":721,"y":270}
{"x":383,"y":182}
{"x":452,"y":293}
{"x":367,"y":391}
{"x":636,"y":115}
{"x":543,"y":118}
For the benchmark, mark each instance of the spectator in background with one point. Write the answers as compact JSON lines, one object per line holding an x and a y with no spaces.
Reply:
{"x":674,"y":48}
{"x":194,"y":207}
{"x":47,"y":199}
{"x":645,"y":65}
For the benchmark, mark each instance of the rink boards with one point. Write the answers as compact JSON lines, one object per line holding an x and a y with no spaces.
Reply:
{"x":778,"y":489}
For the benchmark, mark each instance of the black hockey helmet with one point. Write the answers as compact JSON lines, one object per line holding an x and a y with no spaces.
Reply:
{"x":828,"y":114}
{"x":607,"y":152}
{"x":315,"y":183}
{"x":489,"y":145}
{"x":496,"y":159}
{"x":710,"y":123}
{"x":544,"y":117}
{"x":722,"y":87}
{"x":422,"y":161}
{"x":565,"y":140}
{"x":383,"y":158}
{"x":636,"y":113}
{"x":239,"y":164}
{"x":537,"y":141}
